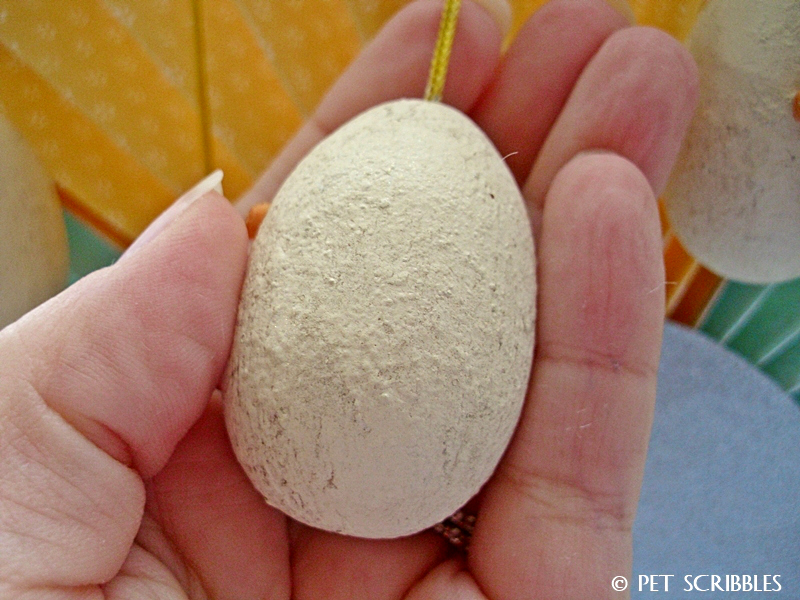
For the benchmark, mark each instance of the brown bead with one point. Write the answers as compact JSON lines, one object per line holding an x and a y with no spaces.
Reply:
{"x":796,"y":107}
{"x":254,"y":218}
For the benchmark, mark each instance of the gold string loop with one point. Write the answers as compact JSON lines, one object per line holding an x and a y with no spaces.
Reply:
{"x":441,"y":53}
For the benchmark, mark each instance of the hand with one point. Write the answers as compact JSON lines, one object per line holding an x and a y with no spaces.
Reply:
{"x":118,"y":480}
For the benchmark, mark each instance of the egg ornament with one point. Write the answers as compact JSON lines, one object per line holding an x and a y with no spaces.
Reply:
{"x":34,"y":257}
{"x":733,"y":198}
{"x":386,"y":325}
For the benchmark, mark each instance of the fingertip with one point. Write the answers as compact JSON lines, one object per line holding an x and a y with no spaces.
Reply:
{"x":601,"y":241}
{"x":476,"y":53}
{"x":660,"y":87}
{"x":636,"y":98}
{"x":606,"y":177}
{"x":604,"y":195}
{"x":210,"y":230}
{"x":624,"y":8}
{"x":218,"y":228}
{"x":537,"y":73}
{"x":202,"y":259}
{"x":395,"y":64}
{"x":204,"y":248}
{"x":500,"y":11}
{"x":657,"y":49}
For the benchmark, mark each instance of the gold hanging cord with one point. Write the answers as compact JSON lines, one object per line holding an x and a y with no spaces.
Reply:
{"x":441,"y":53}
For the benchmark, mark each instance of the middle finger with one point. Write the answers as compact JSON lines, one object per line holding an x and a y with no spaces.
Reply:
{"x":537,"y":74}
{"x":635,"y":98}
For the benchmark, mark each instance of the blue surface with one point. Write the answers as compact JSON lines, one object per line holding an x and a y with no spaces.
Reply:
{"x":722,"y":483}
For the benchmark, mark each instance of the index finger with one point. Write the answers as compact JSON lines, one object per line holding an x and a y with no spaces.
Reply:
{"x":394,"y":65}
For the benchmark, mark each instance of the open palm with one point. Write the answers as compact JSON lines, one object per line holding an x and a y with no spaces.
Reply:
{"x":118,"y":480}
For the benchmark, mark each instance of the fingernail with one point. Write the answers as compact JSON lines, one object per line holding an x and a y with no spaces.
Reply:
{"x":211,"y":182}
{"x":500,"y":11}
{"x":623,"y":7}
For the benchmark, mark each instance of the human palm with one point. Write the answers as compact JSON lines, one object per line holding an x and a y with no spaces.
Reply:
{"x":118,"y":477}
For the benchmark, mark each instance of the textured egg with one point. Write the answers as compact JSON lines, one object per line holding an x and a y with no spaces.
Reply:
{"x":734,"y":196}
{"x":386,"y":325}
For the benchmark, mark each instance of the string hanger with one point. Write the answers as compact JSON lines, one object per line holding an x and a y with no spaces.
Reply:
{"x":441,"y":53}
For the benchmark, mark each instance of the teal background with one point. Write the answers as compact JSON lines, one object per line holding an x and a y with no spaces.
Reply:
{"x":87,"y":251}
{"x":762,"y":323}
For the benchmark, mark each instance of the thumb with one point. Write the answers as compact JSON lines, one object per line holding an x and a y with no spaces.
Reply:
{"x":98,"y":385}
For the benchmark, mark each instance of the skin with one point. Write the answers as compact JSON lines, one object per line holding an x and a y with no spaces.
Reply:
{"x":118,"y":478}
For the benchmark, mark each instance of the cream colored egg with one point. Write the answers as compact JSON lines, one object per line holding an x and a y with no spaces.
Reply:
{"x":734,"y":197}
{"x":385,"y":331}
{"x":33,"y":242}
